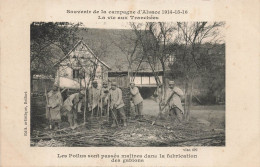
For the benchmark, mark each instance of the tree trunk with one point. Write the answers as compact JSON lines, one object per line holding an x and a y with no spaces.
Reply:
{"x":164,"y":85}
{"x":189,"y":106}
{"x":32,"y":73}
{"x":188,"y":98}
{"x":186,"y":109}
{"x":164,"y":80}
{"x":58,"y":79}
{"x":130,"y":73}
{"x":85,"y":100}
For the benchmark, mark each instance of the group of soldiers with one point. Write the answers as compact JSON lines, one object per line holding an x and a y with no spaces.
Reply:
{"x":103,"y":101}
{"x":106,"y":101}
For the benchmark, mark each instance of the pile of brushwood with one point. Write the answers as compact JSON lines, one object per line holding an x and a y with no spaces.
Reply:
{"x":138,"y":133}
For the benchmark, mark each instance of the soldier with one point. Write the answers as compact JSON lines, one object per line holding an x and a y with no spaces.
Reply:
{"x":104,"y":94}
{"x":54,"y":106}
{"x":137,"y":99}
{"x":94,"y":96}
{"x":158,"y":93}
{"x":173,"y":96}
{"x":71,"y":106}
{"x":116,"y":104}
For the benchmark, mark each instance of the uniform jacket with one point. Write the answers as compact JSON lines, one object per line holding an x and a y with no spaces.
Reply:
{"x":55,"y":99}
{"x":104,"y":94}
{"x":137,"y":98}
{"x":94,"y":97}
{"x":115,"y":98}
{"x":73,"y":102}
{"x":176,"y":98}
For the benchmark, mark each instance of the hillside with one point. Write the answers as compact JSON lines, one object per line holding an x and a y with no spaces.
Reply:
{"x":104,"y":44}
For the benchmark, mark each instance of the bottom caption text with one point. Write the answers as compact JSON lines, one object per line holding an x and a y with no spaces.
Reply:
{"x":127,"y":158}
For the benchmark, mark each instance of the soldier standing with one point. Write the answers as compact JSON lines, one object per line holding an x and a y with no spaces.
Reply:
{"x":137,"y":99}
{"x":104,"y":94}
{"x":94,"y":98}
{"x":116,"y":104}
{"x":54,"y":106}
{"x":174,"y":95}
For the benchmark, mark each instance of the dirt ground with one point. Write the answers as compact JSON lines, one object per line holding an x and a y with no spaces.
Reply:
{"x":206,"y":127}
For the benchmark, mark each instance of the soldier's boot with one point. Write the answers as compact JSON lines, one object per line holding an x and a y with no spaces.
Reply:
{"x":75,"y":124}
{"x":141,"y":117}
{"x":59,"y":125}
{"x":52,"y":125}
{"x":71,"y":122}
{"x":124,"y":122}
{"x":55,"y":127}
{"x":175,"y":122}
{"x":48,"y":127}
{"x":113,"y":124}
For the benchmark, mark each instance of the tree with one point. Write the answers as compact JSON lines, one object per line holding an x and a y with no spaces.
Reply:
{"x":87,"y":70}
{"x":191,"y":59}
{"x":130,"y":47}
{"x":213,"y":75}
{"x":49,"y":43}
{"x":183,"y":42}
{"x":155,"y":39}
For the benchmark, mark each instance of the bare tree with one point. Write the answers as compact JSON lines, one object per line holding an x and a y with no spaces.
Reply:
{"x":183,"y":41}
{"x":190,"y":37}
{"x":155,"y":39}
{"x":129,"y":46}
{"x":87,"y":70}
{"x":49,"y":37}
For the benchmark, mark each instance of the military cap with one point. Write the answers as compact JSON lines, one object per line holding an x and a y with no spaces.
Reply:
{"x":82,"y":92}
{"x":171,"y":82}
{"x":132,"y":82}
{"x":113,"y":83}
{"x":55,"y":85}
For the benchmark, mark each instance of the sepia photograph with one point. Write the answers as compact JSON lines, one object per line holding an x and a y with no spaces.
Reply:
{"x":129,"y":83}
{"x":145,"y":84}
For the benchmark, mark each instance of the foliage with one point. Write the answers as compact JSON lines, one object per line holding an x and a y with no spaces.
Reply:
{"x":211,"y":71}
{"x":185,"y":43}
{"x":50,"y":42}
{"x":129,"y":45}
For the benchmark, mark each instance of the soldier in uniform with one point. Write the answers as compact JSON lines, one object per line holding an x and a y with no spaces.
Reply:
{"x":137,"y":99}
{"x":116,"y":104}
{"x":174,"y":95}
{"x":94,"y":97}
{"x":71,"y":106}
{"x":54,"y":106}
{"x":104,"y":94}
{"x":158,"y":93}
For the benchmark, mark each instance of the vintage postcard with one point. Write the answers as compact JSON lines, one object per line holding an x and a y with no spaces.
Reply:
{"x":130,"y":83}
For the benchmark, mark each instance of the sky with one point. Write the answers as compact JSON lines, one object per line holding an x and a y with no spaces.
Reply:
{"x":125,"y":25}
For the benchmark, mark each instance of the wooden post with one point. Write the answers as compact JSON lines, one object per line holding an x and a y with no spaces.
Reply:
{"x":58,"y":76}
{"x":85,"y":100}
{"x":108,"y":109}
{"x":47,"y":108}
{"x":101,"y":108}
{"x":92,"y":102}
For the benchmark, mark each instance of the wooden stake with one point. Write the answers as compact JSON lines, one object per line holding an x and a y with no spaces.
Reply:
{"x":101,"y":102}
